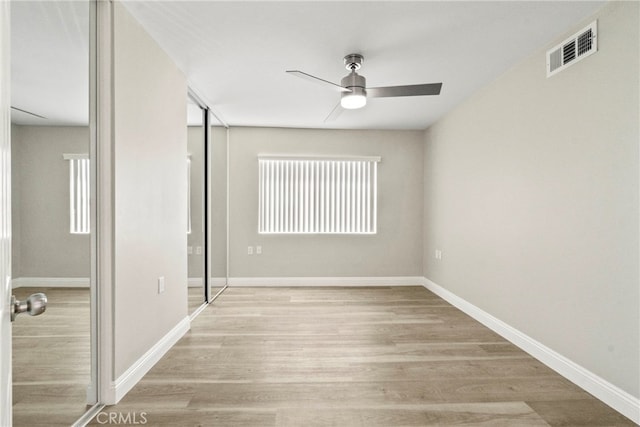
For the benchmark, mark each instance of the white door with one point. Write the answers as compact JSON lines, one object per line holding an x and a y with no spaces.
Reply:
{"x":5,"y":218}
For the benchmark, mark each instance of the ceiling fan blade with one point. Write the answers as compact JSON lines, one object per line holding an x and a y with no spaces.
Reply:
{"x":28,"y":112}
{"x":409,"y":90}
{"x":315,"y":79}
{"x":335,"y":113}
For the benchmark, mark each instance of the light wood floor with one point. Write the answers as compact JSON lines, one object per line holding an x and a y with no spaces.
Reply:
{"x":195,"y":298}
{"x":394,"y":356}
{"x":51,"y":359}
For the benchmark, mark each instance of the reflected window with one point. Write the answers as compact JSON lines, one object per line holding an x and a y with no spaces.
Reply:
{"x":79,"y":212}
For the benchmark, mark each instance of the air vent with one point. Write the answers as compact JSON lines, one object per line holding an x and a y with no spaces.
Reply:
{"x":572,"y":50}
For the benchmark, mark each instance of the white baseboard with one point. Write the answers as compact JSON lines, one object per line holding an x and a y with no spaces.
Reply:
{"x":83,"y":282}
{"x":50,"y":282}
{"x":326,"y":281}
{"x":126,"y":381}
{"x":216,"y":282}
{"x":618,"y":399}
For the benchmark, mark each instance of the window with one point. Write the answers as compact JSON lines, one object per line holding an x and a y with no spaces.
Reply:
{"x":79,"y":182}
{"x":317,"y":195}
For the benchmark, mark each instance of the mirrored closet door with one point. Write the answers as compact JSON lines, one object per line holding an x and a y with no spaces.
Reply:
{"x":196,"y":176}
{"x":217,"y":206}
{"x":53,"y":362}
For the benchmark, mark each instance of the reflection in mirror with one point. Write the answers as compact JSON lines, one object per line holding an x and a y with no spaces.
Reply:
{"x":50,"y":253}
{"x":218,"y":206}
{"x":196,"y":205}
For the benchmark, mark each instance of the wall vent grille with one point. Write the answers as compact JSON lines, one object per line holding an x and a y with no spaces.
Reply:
{"x":577,"y":47}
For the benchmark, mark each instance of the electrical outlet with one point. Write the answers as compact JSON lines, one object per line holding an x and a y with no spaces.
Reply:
{"x":160,"y":284}
{"x":250,"y":250}
{"x":438,"y":254}
{"x":198,"y":250}
{"x":258,"y":250}
{"x":189,"y":250}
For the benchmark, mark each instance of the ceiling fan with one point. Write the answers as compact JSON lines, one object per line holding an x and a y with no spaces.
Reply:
{"x":354,"y":90}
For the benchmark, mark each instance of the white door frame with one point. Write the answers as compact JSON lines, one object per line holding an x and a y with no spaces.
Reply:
{"x":104,"y":231}
{"x":5,"y":216}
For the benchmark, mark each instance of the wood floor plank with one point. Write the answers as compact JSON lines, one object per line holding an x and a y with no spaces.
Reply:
{"x":195,"y":298}
{"x":584,"y":412}
{"x":383,"y":356}
{"x":500,"y":414}
{"x":56,"y":404}
{"x":51,"y":359}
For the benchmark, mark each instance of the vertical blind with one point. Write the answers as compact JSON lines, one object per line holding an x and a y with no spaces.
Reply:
{"x":78,"y":193}
{"x":317,"y":195}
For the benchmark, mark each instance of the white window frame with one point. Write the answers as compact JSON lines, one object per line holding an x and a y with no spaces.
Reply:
{"x":317,"y":195}
{"x":79,"y":193}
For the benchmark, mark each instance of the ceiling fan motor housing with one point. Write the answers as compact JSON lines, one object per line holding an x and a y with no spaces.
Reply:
{"x":357,"y":98}
{"x":353,"y":80}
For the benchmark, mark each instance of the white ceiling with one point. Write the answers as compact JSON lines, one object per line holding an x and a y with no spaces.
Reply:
{"x":50,"y":62}
{"x":235,"y":54}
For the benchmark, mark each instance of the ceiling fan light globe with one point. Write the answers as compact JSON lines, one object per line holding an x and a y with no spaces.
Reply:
{"x":352,"y":101}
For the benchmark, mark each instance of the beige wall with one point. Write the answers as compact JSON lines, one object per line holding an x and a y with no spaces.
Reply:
{"x":396,"y":250}
{"x":531,"y":192}
{"x":42,"y":243}
{"x":150,"y":148}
